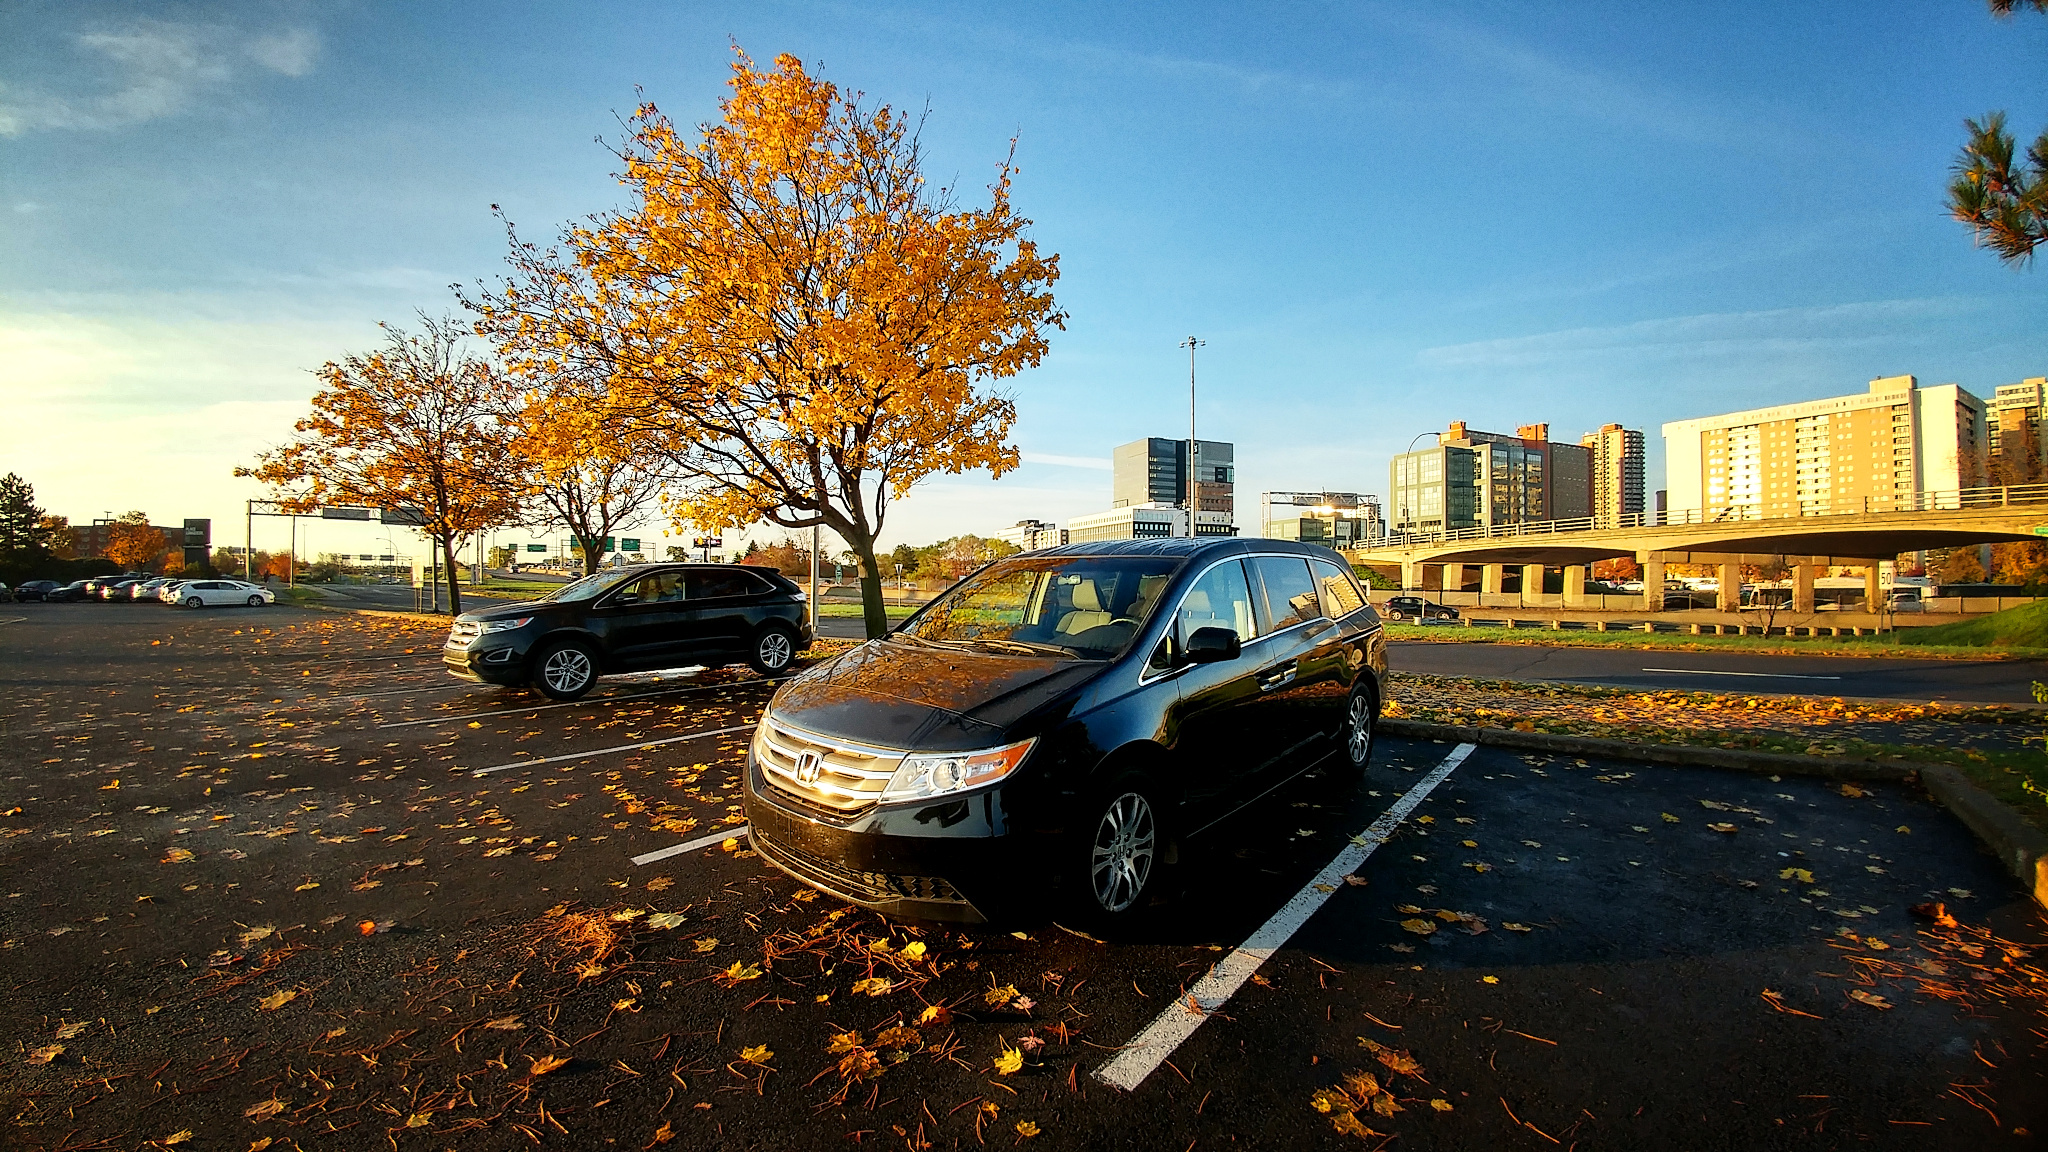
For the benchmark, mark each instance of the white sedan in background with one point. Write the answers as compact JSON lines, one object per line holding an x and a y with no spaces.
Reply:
{"x":208,"y":593}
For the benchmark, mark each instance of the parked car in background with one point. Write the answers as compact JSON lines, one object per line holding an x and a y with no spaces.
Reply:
{"x":630,"y":619}
{"x":169,"y":592}
{"x":147,"y":589}
{"x":117,"y":589}
{"x":1905,"y":600}
{"x":68,"y":592}
{"x":35,"y":590}
{"x":96,"y":586}
{"x":1066,"y":723}
{"x":1417,"y":609}
{"x":216,"y":593}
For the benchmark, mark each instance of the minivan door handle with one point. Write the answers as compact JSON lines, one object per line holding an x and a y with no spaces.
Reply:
{"x":1276,"y":677}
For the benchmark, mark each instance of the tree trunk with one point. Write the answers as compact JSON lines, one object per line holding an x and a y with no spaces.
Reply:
{"x":871,"y":609}
{"x":454,"y":584}
{"x":590,"y":552}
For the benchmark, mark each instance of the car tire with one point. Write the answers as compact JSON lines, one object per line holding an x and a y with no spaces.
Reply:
{"x":195,"y":602}
{"x":255,"y":601}
{"x":1361,"y":723}
{"x":1117,"y":853}
{"x":565,"y":670}
{"x":773,"y":652}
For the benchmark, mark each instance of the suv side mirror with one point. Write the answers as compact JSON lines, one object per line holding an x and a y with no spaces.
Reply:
{"x":1212,"y":646}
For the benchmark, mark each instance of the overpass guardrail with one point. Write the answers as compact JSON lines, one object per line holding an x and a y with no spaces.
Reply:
{"x":1956,"y":500}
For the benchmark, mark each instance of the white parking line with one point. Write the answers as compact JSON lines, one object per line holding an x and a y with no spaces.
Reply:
{"x":1137,"y":1059}
{"x":586,"y":702}
{"x":691,"y":846}
{"x":1763,"y":675}
{"x":613,"y":748}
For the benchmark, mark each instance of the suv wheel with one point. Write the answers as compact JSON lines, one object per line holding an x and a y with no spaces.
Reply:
{"x":1120,"y":852}
{"x":1359,"y":722}
{"x":774,"y":652}
{"x":564,"y":671}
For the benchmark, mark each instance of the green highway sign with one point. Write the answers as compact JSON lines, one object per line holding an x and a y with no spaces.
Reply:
{"x":536,"y":547}
{"x":629,"y":544}
{"x":2041,"y":529}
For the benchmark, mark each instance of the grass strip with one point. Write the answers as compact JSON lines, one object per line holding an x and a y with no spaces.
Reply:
{"x":1865,"y":646}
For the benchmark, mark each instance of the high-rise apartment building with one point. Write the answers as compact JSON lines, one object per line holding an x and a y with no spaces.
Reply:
{"x":1031,"y":535}
{"x":1488,"y":479}
{"x":1877,"y":450}
{"x":1155,"y":472}
{"x":1616,"y":472}
{"x":2018,"y":454}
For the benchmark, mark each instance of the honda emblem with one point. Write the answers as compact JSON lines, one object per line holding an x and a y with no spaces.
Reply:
{"x":808,"y":765}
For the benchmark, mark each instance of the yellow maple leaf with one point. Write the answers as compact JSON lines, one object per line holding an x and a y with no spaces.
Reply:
{"x":1009,"y":1060}
{"x":913,"y":950}
{"x":46,"y":1053}
{"x":1026,"y":1129}
{"x":739,"y":971}
{"x":759,"y":1054}
{"x":276,"y":1000}
{"x":1419,"y":927}
{"x":843,"y":1042}
{"x":874,"y":986}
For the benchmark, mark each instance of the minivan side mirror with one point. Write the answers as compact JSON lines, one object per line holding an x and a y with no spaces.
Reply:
{"x":1212,"y":646}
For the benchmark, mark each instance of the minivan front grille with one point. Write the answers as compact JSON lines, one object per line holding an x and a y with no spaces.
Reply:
{"x":463,"y":632}
{"x":835,"y":775}
{"x":854,"y":882}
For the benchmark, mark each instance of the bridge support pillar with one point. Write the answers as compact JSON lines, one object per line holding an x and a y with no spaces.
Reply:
{"x":1873,"y":589}
{"x":1532,"y":582}
{"x":1575,"y":585}
{"x":1731,"y":588}
{"x":1411,"y":576}
{"x":1802,"y":588}
{"x":1491,"y":577}
{"x":1653,"y":580}
{"x":1454,"y":578}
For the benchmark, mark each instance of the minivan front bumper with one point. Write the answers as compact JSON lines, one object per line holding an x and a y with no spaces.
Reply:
{"x":945,"y":862}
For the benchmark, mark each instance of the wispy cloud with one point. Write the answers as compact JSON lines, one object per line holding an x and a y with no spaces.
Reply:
{"x":1874,"y":322}
{"x":149,"y":69}
{"x":1100,"y":463}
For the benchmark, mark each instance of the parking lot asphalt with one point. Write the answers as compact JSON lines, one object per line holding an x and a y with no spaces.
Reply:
{"x":271,"y":875}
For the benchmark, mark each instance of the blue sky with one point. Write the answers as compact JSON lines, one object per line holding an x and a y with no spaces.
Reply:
{"x":1379,"y":220}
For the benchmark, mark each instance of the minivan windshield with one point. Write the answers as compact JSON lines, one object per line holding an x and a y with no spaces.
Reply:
{"x":1071,"y":606}
{"x":592,"y":586}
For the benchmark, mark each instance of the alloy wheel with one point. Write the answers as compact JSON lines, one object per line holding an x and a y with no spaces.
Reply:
{"x":1358,"y":740}
{"x":1121,"y":861}
{"x":566,"y":669}
{"x":774,"y":651}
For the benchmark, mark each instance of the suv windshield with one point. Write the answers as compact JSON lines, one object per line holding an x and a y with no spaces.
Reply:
{"x":589,"y":587}
{"x":1086,"y":606}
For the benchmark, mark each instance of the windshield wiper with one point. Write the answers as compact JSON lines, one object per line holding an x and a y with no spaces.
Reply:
{"x":1024,"y":647}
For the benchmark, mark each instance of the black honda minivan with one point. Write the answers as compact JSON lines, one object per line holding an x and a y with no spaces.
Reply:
{"x":1063,"y":722}
{"x":632,"y":619}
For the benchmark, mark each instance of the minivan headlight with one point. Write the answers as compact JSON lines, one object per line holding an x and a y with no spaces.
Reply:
{"x":943,"y":773}
{"x":505,"y":625}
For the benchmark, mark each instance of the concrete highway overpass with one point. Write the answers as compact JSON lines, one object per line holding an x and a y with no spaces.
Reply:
{"x":1807,"y":544}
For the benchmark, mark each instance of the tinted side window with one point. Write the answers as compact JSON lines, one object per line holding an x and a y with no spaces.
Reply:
{"x":705,"y":585}
{"x":1340,"y":594}
{"x":1290,"y":593}
{"x":662,"y":586}
{"x":1220,"y":599}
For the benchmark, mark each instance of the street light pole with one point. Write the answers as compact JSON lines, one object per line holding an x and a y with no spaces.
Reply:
{"x":1191,"y":343}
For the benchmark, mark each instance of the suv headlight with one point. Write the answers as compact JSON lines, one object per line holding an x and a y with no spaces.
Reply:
{"x":490,"y":626}
{"x":943,"y":773}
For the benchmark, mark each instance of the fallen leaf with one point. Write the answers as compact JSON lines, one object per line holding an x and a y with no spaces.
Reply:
{"x":665,"y":920}
{"x":276,"y":1000}
{"x":545,"y":1064}
{"x":1852,"y":791}
{"x":265,"y":1109}
{"x":308,"y":886}
{"x":46,"y":1053}
{"x":1870,"y":998}
{"x":1937,"y":912}
{"x":176,"y":1138}
{"x":1009,"y":1060}
{"x":1440,"y":1105}
{"x":707,"y":943}
{"x":504,"y":1024}
{"x":1961,"y":893}
{"x":874,"y":986}
{"x":759,"y":1054}
{"x":738,"y":972}
{"x":1724,"y":828}
{"x":913,"y":950}
{"x":255,"y":934}
{"x":1799,"y":874}
{"x":1026,"y":1129}
{"x":1419,"y":927}
{"x":628,"y":915}
{"x":67,"y":1031}
{"x":177,"y":856}
{"x":1355,"y":881}
{"x":997,"y":997}
{"x":660,"y":884}
{"x":1511,"y":926}
{"x":665,"y":1133}
{"x":1668,"y":817}
{"x":505,"y":850}
{"x":934,"y":1015}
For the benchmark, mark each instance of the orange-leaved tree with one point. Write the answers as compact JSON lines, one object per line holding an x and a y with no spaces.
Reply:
{"x":795,"y":320}
{"x":573,"y":467}
{"x":409,"y":426}
{"x":132,"y":543}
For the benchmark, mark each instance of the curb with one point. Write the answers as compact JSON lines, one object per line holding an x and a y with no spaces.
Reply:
{"x":2021,"y":847}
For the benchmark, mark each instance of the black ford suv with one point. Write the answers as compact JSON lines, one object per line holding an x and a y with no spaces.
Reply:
{"x":632,"y":619}
{"x":1066,"y":720}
